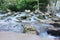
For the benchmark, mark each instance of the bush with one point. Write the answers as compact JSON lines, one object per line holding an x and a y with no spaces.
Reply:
{"x":12,"y":7}
{"x":32,"y":5}
{"x":43,"y":5}
{"x":3,"y":5}
{"x":21,"y":5}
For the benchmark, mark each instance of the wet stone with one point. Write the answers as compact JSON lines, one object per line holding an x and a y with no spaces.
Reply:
{"x":54,"y":32}
{"x":55,"y":24}
{"x":30,"y":29}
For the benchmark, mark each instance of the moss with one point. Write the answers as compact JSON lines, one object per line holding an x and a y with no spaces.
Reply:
{"x":30,"y":29}
{"x":40,"y":17}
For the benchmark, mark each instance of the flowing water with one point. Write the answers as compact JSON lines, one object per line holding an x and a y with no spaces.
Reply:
{"x":10,"y":24}
{"x":13,"y":23}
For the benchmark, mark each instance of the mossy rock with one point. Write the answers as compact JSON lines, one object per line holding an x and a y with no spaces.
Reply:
{"x":31,"y":30}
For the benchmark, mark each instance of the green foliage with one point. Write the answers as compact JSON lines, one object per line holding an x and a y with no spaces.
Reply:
{"x":21,"y":5}
{"x":32,"y":5}
{"x":12,"y":7}
{"x":43,"y":4}
{"x":3,"y":5}
{"x":35,"y":6}
{"x":40,"y":17}
{"x":1,"y":2}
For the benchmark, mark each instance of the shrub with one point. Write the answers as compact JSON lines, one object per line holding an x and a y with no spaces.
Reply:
{"x":43,"y":4}
{"x":21,"y":5}
{"x":12,"y":7}
{"x":3,"y":5}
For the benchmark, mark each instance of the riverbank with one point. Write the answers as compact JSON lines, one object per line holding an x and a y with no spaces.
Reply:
{"x":20,"y":36}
